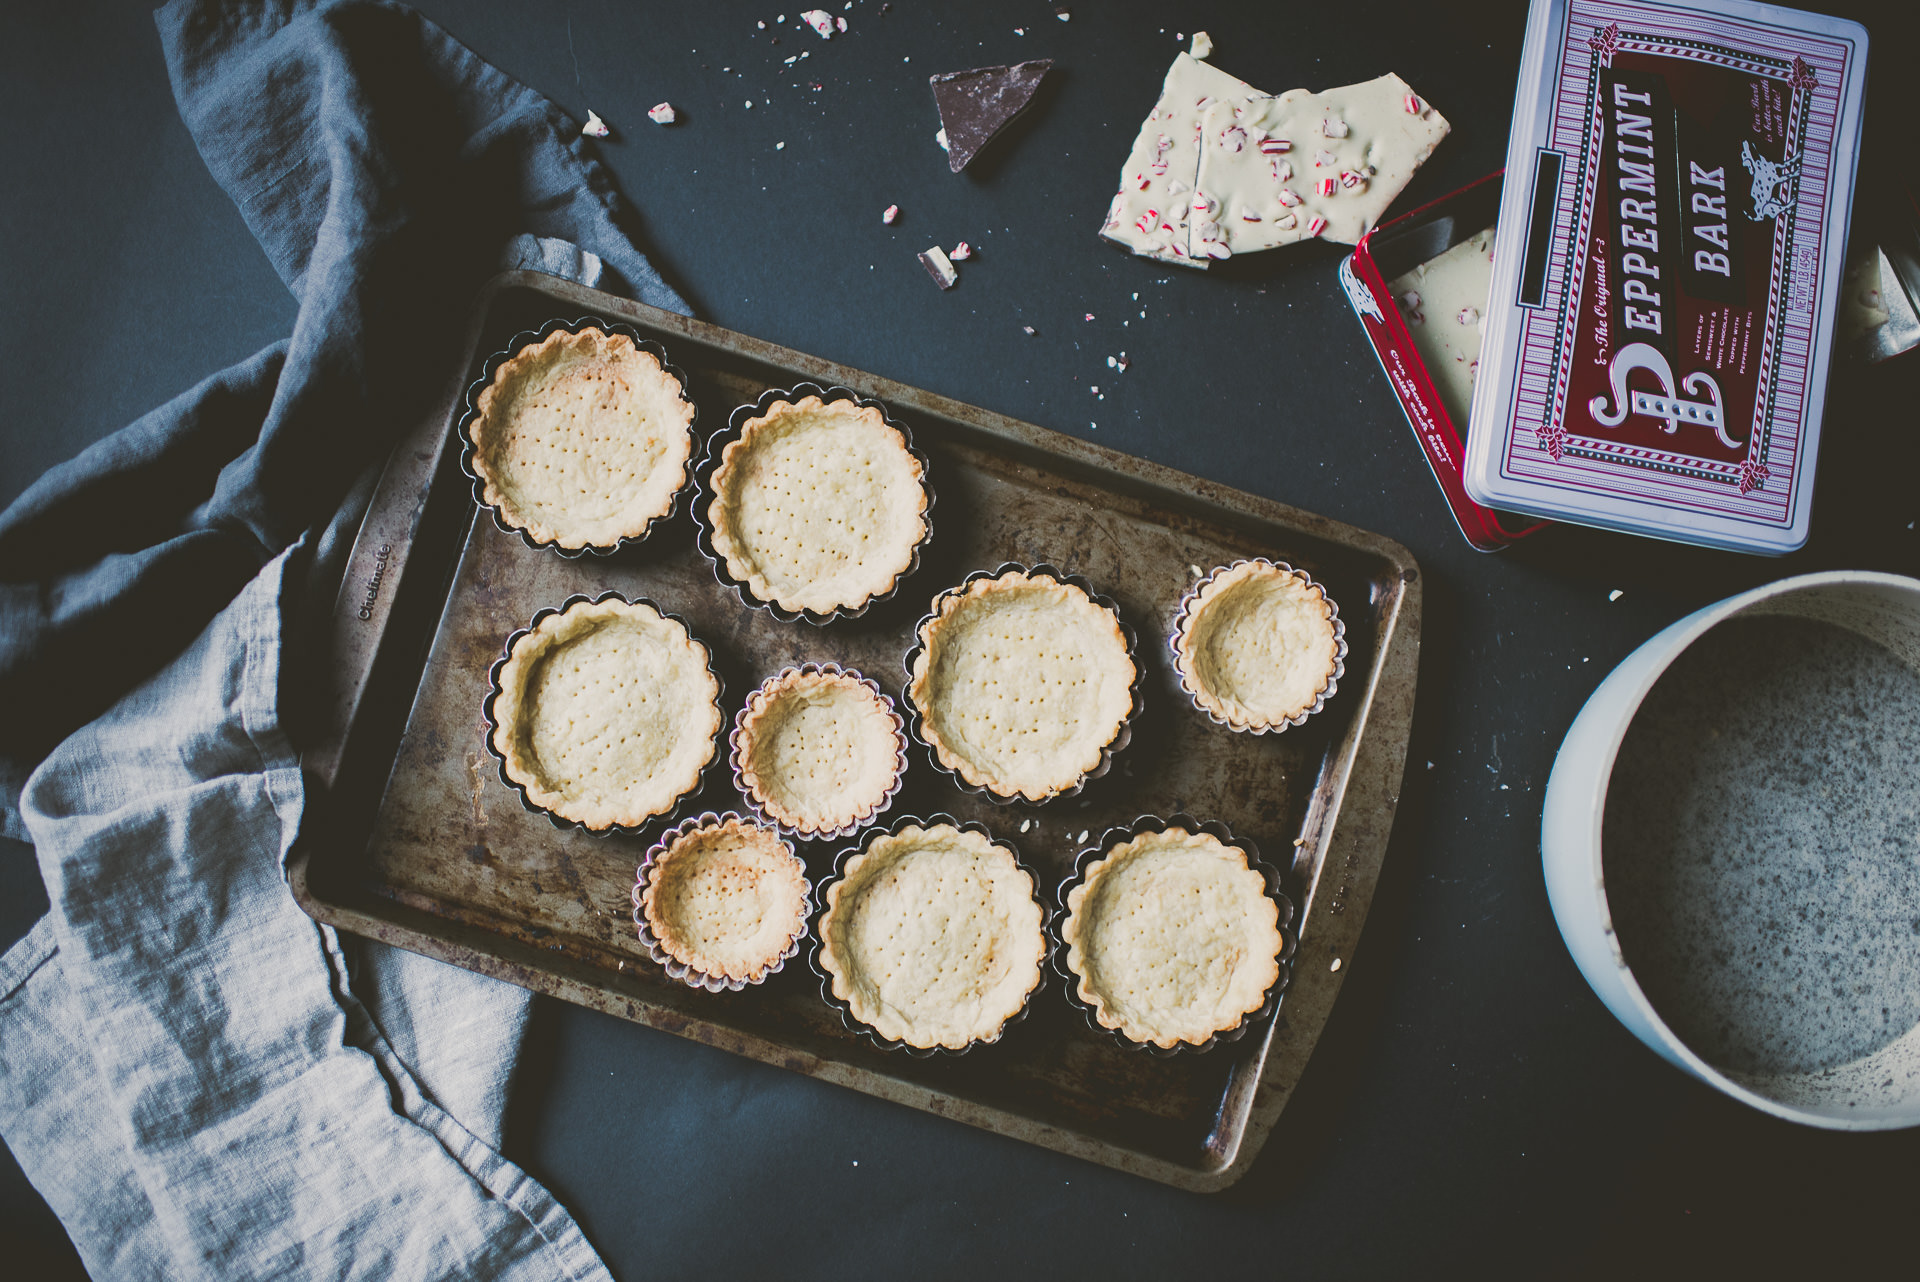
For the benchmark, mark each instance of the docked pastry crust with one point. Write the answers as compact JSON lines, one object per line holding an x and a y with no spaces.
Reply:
{"x":726,"y":899}
{"x":607,"y":713}
{"x":819,"y":505}
{"x":819,"y":750}
{"x":582,"y":439}
{"x":1022,"y":682}
{"x":1258,"y":646}
{"x":1172,"y":938}
{"x":932,"y":936}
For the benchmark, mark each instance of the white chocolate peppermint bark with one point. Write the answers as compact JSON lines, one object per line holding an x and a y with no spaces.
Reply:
{"x":1149,"y":214}
{"x":1442,"y":301}
{"x":1299,"y":166}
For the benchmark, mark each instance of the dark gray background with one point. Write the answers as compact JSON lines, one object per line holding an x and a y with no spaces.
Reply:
{"x":1472,"y":1106}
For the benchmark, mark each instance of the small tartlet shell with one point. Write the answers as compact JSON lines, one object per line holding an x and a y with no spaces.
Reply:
{"x":612,"y":349}
{"x":772,"y":875}
{"x":879,"y":769}
{"x":688,"y":714}
{"x":1257,"y":1000}
{"x":1119,"y":698}
{"x":1003,"y":926}
{"x":721,"y":545}
{"x":1315,"y":620}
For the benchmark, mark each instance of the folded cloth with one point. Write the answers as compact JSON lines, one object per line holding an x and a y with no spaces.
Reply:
{"x":202,"y":1081}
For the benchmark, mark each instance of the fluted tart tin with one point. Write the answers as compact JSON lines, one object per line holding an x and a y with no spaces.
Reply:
{"x":858,"y":739}
{"x":779,"y":888}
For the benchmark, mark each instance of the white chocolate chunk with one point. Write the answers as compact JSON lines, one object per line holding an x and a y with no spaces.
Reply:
{"x":1150,"y":213}
{"x":1362,"y":137}
{"x":1441,"y":301}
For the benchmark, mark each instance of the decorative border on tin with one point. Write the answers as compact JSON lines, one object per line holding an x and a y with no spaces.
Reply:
{"x":709,"y":463}
{"x":491,"y":718}
{"x":823,"y":903}
{"x":680,"y":970}
{"x":736,"y":743}
{"x":916,"y":718}
{"x":1289,"y":938}
{"x":515,"y":345}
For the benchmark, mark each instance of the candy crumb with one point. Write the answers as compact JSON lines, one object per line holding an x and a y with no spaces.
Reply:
{"x":1062,"y":13}
{"x":889,"y":214}
{"x":961,"y":252}
{"x":940,"y":267}
{"x":662,"y":113}
{"x":1089,"y":315}
{"x":820,"y":20}
{"x":1027,"y":329}
{"x":1202,"y":44}
{"x":941,"y":138}
{"x":595,"y":127}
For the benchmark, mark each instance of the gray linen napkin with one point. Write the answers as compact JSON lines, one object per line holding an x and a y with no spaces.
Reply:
{"x":202,"y":1081}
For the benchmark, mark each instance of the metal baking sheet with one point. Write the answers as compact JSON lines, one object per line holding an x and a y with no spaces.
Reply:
{"x":419,"y":844}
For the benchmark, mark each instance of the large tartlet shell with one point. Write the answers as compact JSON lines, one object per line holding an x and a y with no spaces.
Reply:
{"x":1060,"y":765}
{"x":725,"y":856}
{"x":677,"y":733}
{"x":1233,"y":920}
{"x":883,"y":892}
{"x":603,"y":411}
{"x":860,"y":798}
{"x":859,"y":464}
{"x":1304,"y":642}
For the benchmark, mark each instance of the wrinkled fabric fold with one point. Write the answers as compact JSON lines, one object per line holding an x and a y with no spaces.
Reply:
{"x":200,"y":1079}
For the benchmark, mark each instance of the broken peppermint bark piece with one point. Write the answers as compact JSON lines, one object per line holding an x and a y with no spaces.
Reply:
{"x":940,"y":267}
{"x":1151,"y":212}
{"x":1442,"y":300}
{"x":1324,"y":164}
{"x":975,"y":105}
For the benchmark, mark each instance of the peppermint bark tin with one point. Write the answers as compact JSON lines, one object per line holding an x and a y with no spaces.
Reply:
{"x":1662,"y":315}
{"x":1390,"y":251}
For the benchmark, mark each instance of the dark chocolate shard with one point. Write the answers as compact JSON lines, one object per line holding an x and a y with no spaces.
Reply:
{"x":975,"y":105}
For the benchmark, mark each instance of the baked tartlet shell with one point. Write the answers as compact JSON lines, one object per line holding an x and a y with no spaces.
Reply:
{"x":916,"y":720}
{"x":737,"y":739}
{"x":532,"y":338}
{"x":815,"y":959}
{"x":680,"y":970}
{"x":1183,"y":618}
{"x":492,"y":719}
{"x":1289,"y":941}
{"x":709,"y":462}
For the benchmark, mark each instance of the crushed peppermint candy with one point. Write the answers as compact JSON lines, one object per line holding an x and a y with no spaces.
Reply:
{"x":1468,"y":316}
{"x":940,"y":136}
{"x":1317,"y":226}
{"x":1327,"y":186}
{"x":595,"y":127}
{"x":1414,"y":106}
{"x":1275,"y":146}
{"x":1324,"y":159}
{"x":961,"y":252}
{"x":1028,"y":329}
{"x":1089,"y":315}
{"x":1334,"y":128}
{"x":1063,"y":13}
{"x":1233,"y":138}
{"x":820,"y":20}
{"x":662,"y":113}
{"x":1282,"y":170}
{"x":940,"y":267}
{"x":839,"y":24}
{"x":1288,"y":196}
{"x":889,"y":214}
{"x":1122,"y":363}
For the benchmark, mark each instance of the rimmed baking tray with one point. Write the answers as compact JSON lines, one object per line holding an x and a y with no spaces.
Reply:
{"x":417,"y":842}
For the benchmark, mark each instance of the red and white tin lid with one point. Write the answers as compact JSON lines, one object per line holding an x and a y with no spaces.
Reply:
{"x":1673,"y":233}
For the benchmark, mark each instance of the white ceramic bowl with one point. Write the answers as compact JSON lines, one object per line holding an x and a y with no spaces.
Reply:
{"x":1878,"y":1091}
